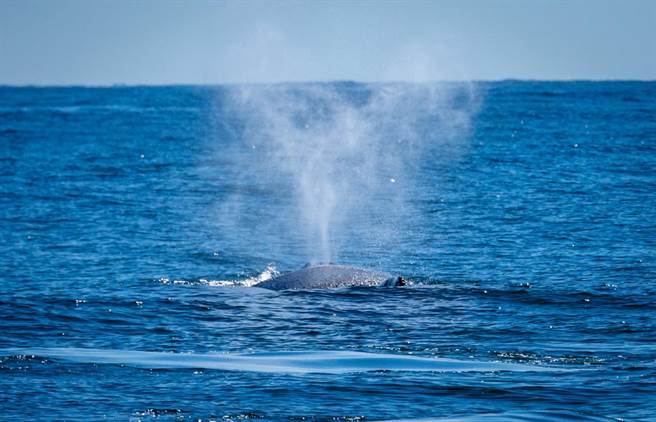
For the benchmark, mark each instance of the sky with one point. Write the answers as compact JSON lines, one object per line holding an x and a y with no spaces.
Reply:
{"x":97,"y":42}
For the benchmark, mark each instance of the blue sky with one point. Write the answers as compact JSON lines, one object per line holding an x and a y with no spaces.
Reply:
{"x":206,"y":42}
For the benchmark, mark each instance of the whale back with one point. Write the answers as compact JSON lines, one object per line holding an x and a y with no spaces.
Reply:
{"x":327,"y":276}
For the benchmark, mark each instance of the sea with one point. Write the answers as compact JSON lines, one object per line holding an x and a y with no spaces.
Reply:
{"x":136,"y":221}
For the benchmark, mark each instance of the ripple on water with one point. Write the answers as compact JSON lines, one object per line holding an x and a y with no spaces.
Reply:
{"x":329,"y":362}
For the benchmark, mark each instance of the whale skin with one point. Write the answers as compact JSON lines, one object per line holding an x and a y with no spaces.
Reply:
{"x":327,"y":276}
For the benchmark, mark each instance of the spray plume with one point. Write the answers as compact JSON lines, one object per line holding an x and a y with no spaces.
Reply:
{"x":337,"y":160}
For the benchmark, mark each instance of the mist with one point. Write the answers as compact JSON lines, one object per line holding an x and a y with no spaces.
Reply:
{"x":336,"y":162}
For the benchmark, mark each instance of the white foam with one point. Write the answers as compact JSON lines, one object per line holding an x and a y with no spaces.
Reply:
{"x":268,"y":273}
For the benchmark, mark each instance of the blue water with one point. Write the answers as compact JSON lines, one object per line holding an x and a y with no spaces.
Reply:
{"x":529,"y":239}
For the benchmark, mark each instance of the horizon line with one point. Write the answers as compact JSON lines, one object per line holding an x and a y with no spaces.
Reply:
{"x":300,"y":82}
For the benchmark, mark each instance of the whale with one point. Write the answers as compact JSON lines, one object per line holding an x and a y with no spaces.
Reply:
{"x":331,"y":276}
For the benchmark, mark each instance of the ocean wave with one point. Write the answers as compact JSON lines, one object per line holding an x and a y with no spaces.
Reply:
{"x":292,"y":362}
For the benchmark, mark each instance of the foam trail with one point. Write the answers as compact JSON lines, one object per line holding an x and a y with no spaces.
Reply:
{"x":328,"y":362}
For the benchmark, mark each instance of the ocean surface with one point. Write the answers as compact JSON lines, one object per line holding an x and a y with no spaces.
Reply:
{"x":134,"y":222}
